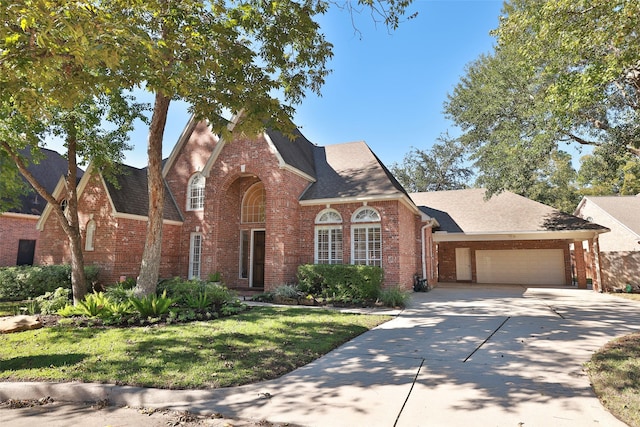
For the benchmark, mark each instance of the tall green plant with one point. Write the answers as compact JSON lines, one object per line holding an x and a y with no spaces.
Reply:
{"x":152,"y":305}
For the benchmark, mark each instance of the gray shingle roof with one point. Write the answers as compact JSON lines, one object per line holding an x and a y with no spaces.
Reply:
{"x":47,"y":172}
{"x":467,"y":211}
{"x":350,"y":170}
{"x":625,"y":209}
{"x":132,"y":197}
{"x":297,"y":153}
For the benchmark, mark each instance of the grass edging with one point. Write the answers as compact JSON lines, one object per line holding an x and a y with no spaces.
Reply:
{"x":614,"y":371}
{"x":259,"y":344}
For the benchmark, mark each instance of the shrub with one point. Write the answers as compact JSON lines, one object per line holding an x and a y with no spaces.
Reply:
{"x":340,"y":281}
{"x":394,"y":297}
{"x":26,"y":282}
{"x":286,"y":291}
{"x":94,"y":305}
{"x":152,"y":305}
{"x":51,"y":302}
{"x":120,"y":292}
{"x":180,"y":290}
{"x":219,"y":294}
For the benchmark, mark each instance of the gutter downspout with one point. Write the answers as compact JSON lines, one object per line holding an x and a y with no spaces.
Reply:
{"x":423,"y":251}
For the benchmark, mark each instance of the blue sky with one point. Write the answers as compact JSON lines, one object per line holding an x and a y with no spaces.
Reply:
{"x":386,"y":88}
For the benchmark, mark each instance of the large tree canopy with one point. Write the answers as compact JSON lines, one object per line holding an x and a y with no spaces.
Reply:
{"x":563,"y":71}
{"x":256,"y":58}
{"x":442,"y":167}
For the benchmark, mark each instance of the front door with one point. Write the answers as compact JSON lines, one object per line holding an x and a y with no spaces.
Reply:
{"x":257,"y":265}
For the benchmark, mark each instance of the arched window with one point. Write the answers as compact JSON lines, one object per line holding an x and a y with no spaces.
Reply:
{"x":328,"y":237}
{"x":195,"y":192}
{"x":90,"y":236}
{"x":254,"y":204}
{"x":366,"y":237}
{"x":366,"y":214}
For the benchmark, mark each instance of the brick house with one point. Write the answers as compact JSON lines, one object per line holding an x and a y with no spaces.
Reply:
{"x":253,"y":209}
{"x":18,"y":233}
{"x":619,"y":249}
{"x":256,"y":208}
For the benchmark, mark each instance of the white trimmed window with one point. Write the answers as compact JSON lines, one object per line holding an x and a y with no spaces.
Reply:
{"x":195,"y":192}
{"x":366,"y":237}
{"x":90,"y":236}
{"x":254,"y":204}
{"x":195,"y":255}
{"x":328,"y":237}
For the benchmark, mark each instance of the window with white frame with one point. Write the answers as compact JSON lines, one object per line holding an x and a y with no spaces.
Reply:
{"x":254,"y":204}
{"x":195,"y":255}
{"x":195,"y":192}
{"x":328,"y":237}
{"x":90,"y":236}
{"x":366,"y":237}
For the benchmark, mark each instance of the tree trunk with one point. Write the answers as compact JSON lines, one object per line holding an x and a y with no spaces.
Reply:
{"x":68,"y":220}
{"x":150,"y":267}
{"x":78,"y":276}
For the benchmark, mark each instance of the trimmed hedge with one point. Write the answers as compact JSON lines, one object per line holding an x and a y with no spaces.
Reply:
{"x":341,"y":281}
{"x":28,"y":282}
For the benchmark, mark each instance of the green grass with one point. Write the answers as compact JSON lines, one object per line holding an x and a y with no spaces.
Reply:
{"x":259,"y":344}
{"x":615,"y":375}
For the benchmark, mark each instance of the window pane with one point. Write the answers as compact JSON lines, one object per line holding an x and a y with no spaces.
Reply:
{"x":196,"y":192}
{"x":254,"y":204}
{"x":195,"y":256}
{"x":328,"y":245}
{"x":244,"y":254}
{"x":367,"y":245}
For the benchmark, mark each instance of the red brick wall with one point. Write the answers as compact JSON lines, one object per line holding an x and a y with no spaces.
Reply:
{"x":447,"y":254}
{"x":400,"y":240}
{"x":118,"y":242}
{"x":12,"y":230}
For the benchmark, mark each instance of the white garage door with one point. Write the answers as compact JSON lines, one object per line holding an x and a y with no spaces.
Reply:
{"x":524,"y":266}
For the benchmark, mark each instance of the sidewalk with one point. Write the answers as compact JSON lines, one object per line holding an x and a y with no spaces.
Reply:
{"x":458,"y":356}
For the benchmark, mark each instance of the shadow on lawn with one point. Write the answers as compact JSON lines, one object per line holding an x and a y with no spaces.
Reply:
{"x":43,"y":361}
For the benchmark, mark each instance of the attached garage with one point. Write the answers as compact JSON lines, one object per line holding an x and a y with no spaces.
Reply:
{"x":524,"y":266}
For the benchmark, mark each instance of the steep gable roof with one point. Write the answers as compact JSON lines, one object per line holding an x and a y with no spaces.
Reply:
{"x":47,"y":172}
{"x":467,"y":211}
{"x":132,"y":197}
{"x":296,"y":153}
{"x":624,"y":209}
{"x":351,"y":170}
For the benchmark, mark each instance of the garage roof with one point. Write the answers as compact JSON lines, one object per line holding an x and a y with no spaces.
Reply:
{"x":467,"y":211}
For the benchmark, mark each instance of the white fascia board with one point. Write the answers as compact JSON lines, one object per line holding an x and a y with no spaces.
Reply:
{"x":145,"y":218}
{"x":359,"y":199}
{"x":184,"y":137}
{"x":47,"y":209}
{"x":19,"y":215}
{"x":440,"y":236}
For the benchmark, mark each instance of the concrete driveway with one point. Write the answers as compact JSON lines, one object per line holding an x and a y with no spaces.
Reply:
{"x":471,"y":355}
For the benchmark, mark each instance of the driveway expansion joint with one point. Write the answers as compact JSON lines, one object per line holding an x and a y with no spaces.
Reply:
{"x":487,"y":339}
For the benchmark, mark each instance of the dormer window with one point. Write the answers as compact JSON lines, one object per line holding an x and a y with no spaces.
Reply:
{"x":195,"y":192}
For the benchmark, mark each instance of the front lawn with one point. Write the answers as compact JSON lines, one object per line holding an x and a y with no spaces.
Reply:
{"x":259,"y":344}
{"x":615,"y":375}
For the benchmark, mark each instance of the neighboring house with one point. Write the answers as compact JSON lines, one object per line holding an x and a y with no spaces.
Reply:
{"x":254,"y":209}
{"x":620,"y":249}
{"x":18,"y":233}
{"x":505,"y":239}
